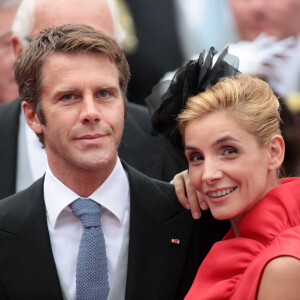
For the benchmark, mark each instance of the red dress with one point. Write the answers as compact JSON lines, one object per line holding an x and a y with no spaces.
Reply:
{"x":233,"y":267}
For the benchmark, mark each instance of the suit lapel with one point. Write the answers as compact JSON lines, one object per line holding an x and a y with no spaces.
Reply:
{"x":9,"y":125}
{"x":155,"y":262}
{"x":28,"y":247}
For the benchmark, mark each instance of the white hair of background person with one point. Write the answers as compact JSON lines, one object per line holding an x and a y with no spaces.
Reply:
{"x":24,"y":21}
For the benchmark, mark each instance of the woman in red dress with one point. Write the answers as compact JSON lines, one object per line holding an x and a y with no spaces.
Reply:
{"x":229,"y":129}
{"x":233,"y":162}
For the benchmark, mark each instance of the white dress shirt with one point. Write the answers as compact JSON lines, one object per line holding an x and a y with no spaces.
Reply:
{"x":65,"y":229}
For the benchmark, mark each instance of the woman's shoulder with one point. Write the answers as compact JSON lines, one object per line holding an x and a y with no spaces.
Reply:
{"x":280,"y":279}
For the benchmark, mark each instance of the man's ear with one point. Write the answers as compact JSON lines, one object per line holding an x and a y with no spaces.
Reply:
{"x":276,"y":150}
{"x":31,"y":117}
{"x":16,"y":44}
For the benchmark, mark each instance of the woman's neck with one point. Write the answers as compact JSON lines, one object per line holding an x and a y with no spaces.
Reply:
{"x":235,"y":223}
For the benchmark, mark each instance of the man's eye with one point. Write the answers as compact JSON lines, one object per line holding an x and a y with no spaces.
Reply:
{"x":68,"y":97}
{"x":103,"y":94}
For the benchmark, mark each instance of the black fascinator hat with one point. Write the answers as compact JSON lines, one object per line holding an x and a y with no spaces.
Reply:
{"x":168,"y":98}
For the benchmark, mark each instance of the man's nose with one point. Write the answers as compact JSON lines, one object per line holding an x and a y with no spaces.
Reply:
{"x":90,"y":111}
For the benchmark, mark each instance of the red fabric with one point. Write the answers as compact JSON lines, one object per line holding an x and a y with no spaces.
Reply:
{"x":233,"y":267}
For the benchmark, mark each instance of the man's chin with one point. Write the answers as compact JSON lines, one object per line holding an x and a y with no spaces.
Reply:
{"x":97,"y":163}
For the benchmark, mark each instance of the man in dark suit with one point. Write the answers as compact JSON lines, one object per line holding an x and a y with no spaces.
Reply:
{"x":159,"y":48}
{"x":73,"y":80}
{"x":21,"y":158}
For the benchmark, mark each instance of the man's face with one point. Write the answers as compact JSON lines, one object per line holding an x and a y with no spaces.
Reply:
{"x":84,"y":112}
{"x":94,"y":13}
{"x":284,"y":18}
{"x":251,"y":17}
{"x":8,"y":87}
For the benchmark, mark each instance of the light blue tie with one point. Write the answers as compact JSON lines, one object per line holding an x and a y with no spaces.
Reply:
{"x":91,"y":269}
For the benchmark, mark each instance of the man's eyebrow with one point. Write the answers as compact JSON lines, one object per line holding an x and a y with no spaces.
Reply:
{"x":65,"y":90}
{"x":108,"y":86}
{"x":62,"y":91}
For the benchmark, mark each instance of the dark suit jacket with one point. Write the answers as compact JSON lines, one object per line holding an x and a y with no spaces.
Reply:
{"x":157,"y":268}
{"x":158,"y":50}
{"x":144,"y":152}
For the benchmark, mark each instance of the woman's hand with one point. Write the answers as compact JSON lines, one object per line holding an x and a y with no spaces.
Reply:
{"x":187,"y":195}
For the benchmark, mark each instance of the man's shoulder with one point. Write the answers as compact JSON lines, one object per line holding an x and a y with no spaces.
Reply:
{"x":13,"y":106}
{"x":151,"y":155}
{"x":9,"y":113}
{"x":9,"y":128}
{"x":151,"y":194}
{"x":139,"y":115}
{"x":34,"y":190}
{"x":137,"y":178}
{"x":137,"y":108}
{"x":21,"y":207}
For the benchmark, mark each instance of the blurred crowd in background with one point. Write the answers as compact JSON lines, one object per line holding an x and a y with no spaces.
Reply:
{"x":162,"y":35}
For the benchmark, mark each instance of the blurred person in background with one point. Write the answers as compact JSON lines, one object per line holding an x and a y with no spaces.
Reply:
{"x":168,"y":33}
{"x":285,"y":22}
{"x":216,"y":23}
{"x":270,"y":49}
{"x":262,"y":33}
{"x":275,"y":53}
{"x":249,"y":17}
{"x":284,"y":18}
{"x":158,"y":46}
{"x":8,"y":87}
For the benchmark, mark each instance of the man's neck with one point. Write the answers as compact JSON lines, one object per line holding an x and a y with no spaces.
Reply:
{"x":82,"y":181}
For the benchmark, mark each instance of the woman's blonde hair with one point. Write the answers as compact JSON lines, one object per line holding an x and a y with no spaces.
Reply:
{"x":248,"y":99}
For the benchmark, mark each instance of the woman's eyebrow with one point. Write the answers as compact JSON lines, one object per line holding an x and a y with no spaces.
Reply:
{"x":225,"y":139}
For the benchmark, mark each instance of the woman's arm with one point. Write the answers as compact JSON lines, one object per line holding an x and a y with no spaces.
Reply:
{"x":280,"y":280}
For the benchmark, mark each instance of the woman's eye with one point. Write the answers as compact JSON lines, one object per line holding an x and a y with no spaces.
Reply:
{"x":230,"y":151}
{"x":195,"y":157}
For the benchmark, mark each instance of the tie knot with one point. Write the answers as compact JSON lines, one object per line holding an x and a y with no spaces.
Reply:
{"x":87,"y":210}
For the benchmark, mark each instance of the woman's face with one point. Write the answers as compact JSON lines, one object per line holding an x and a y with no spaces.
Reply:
{"x":227,"y":165}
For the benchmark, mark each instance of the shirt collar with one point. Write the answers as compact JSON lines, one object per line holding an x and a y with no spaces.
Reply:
{"x":112,"y":195}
